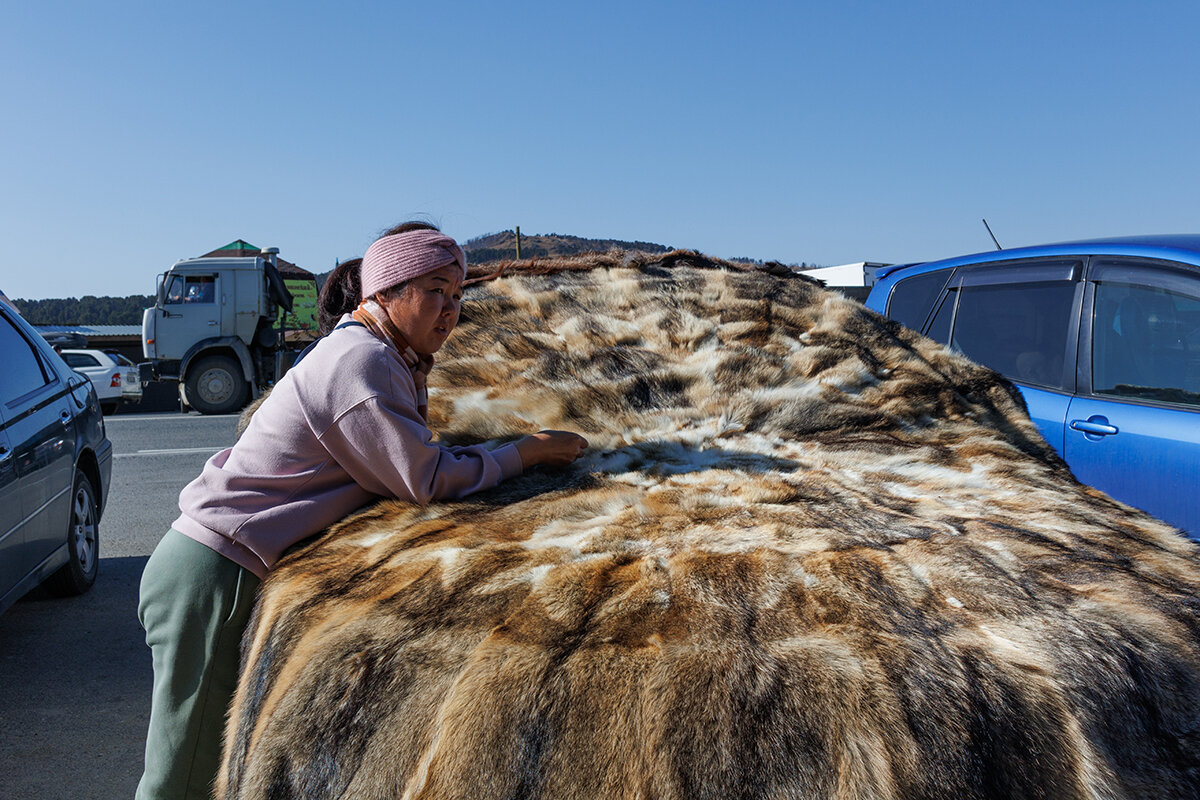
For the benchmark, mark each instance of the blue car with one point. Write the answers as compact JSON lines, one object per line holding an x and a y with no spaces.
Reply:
{"x":1101,"y":337}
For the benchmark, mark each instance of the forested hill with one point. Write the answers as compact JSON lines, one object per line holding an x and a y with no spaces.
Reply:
{"x":503,"y":246}
{"x":86,"y":310}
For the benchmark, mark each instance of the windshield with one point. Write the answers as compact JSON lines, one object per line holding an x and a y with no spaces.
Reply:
{"x":191,"y":289}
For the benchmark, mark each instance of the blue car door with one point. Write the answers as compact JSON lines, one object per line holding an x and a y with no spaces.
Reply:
{"x":1136,"y":433}
{"x":1048,"y":410}
{"x":1020,"y":319}
{"x":1142,"y":455}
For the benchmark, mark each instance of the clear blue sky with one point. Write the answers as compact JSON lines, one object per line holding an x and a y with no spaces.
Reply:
{"x":138,"y":133}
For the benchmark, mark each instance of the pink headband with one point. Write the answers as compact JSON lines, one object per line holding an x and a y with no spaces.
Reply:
{"x":403,"y":256}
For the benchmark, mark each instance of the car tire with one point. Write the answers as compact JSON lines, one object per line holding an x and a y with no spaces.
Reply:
{"x":109,"y":407}
{"x":83,"y":542}
{"x":215,"y":385}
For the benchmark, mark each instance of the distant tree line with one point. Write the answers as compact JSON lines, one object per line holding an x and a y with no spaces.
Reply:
{"x":86,"y":310}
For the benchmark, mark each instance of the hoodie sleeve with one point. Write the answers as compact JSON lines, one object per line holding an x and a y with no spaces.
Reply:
{"x":385,"y":446}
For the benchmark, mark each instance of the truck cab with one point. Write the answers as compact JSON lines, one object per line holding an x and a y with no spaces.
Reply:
{"x":215,"y":328}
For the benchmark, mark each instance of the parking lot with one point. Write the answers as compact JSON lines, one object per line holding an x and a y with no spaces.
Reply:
{"x":75,"y":673}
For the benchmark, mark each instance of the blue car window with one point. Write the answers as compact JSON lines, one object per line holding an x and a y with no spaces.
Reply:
{"x":22,"y":371}
{"x":912,"y":298}
{"x":939,"y":329}
{"x":1146,"y":343}
{"x":1018,"y":329}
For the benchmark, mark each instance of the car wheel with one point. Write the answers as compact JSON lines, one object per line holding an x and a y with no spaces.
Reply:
{"x":215,"y":385}
{"x":83,"y":542}
{"x":109,"y":407}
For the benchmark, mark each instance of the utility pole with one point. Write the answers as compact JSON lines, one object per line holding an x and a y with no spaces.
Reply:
{"x":518,"y":243}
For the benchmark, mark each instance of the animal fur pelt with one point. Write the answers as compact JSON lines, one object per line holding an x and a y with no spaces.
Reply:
{"x":809,"y":554}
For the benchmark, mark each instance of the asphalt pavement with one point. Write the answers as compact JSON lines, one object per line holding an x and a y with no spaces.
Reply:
{"x":75,"y":672}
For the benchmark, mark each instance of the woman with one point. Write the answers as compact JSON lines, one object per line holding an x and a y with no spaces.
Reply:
{"x":346,"y":426}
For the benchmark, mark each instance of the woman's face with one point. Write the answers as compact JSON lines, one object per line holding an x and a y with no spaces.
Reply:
{"x":426,"y":310}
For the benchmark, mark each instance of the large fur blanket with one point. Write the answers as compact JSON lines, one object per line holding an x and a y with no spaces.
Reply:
{"x":809,"y":554}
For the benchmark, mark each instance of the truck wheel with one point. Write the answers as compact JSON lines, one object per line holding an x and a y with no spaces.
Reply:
{"x":215,"y":385}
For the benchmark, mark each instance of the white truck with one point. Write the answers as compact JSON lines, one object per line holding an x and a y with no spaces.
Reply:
{"x":216,"y":328}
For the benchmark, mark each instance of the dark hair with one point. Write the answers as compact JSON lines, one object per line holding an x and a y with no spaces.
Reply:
{"x":340,"y":295}
{"x":412,"y":225}
{"x":342,"y":291}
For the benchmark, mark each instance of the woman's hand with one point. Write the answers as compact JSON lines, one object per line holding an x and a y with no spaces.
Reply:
{"x":553,"y":448}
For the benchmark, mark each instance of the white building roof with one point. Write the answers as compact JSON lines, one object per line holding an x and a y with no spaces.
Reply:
{"x":92,"y":330}
{"x":860,"y":273}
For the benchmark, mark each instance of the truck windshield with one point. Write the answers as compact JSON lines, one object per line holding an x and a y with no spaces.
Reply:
{"x":190,"y":289}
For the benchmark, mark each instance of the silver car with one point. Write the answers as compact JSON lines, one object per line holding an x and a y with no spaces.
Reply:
{"x":55,"y":465}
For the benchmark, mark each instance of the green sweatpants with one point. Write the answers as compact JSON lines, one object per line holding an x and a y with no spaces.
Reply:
{"x":194,"y":606}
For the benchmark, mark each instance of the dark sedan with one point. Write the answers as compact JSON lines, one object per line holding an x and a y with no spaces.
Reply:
{"x":55,"y":465}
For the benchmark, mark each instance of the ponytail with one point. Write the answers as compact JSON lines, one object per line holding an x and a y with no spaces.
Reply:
{"x":340,"y":295}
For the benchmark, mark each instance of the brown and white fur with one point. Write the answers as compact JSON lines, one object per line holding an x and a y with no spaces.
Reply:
{"x":809,"y":554}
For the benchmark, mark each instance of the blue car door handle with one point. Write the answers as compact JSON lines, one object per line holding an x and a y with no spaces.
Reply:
{"x":1096,"y":425}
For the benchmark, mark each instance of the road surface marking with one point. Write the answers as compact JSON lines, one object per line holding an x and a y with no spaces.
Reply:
{"x":177,"y":452}
{"x":174,"y":416}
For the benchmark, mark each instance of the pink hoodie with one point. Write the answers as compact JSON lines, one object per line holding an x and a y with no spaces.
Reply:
{"x":338,"y":432}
